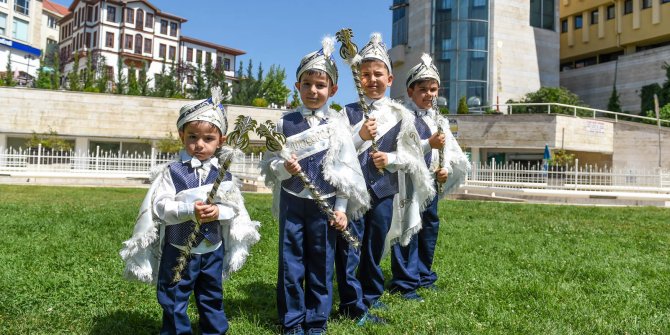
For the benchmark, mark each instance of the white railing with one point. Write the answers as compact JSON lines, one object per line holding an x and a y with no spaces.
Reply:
{"x":98,"y":162}
{"x":582,"y":178}
{"x":576,"y":111}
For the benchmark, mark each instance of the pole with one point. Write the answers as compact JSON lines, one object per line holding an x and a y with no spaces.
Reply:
{"x":658,"y":122}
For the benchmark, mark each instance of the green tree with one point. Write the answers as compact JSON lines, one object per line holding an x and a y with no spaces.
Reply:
{"x":73,"y":77}
{"x":143,"y":81}
{"x":218,"y":78}
{"x":647,"y":97}
{"x":275,"y":92}
{"x":170,"y":144}
{"x":89,"y":75}
{"x":120,"y":78}
{"x":259,"y":102}
{"x":133,"y":86}
{"x":614,"y":104}
{"x":49,"y":140}
{"x":43,"y":78}
{"x":102,"y":76}
{"x":550,"y":95}
{"x":243,"y":88}
{"x":334,"y":105}
{"x":295,"y":99}
{"x":198,"y":89}
{"x":463,"y":106}
{"x":55,"y":75}
{"x":663,"y":113}
{"x":8,"y":79}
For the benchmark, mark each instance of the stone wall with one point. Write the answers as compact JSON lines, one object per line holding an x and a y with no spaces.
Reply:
{"x":100,"y":116}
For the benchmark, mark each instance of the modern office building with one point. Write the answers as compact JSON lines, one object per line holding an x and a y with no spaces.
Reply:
{"x":487,"y":51}
{"x":613,"y":42}
{"x":139,"y":35}
{"x":27,"y":28}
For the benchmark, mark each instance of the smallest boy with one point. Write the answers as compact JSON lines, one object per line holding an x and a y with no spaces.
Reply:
{"x":167,"y":217}
{"x":315,"y":145}
{"x":411,"y":265}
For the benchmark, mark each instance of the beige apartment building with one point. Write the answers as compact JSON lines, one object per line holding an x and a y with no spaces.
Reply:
{"x":613,"y":42}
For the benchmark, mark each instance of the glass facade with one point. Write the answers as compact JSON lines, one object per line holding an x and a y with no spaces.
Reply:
{"x":400,"y":23}
{"x":461,"y":39}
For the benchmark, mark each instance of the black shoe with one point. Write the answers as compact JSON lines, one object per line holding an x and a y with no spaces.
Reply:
{"x":316,"y":331}
{"x":369,"y":318}
{"x":297,"y":330}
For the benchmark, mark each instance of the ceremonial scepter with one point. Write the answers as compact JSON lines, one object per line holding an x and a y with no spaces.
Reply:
{"x":238,"y":140}
{"x":440,"y":131}
{"x":274,"y":141}
{"x":349,"y":52}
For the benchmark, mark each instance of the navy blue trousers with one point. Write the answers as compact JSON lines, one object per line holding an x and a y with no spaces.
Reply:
{"x":360,"y":291}
{"x":202,"y":276}
{"x":412,"y":265}
{"x":306,"y":258}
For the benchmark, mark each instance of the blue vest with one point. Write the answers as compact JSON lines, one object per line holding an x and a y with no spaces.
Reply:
{"x":312,"y":166}
{"x":424,"y":133}
{"x":184,"y":177}
{"x":383,"y":185}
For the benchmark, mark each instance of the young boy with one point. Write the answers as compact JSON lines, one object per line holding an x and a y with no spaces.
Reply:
{"x":315,"y":146}
{"x":411,"y":265}
{"x":167,"y":218}
{"x":398,"y":191}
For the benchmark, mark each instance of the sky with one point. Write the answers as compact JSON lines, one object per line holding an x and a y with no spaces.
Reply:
{"x":281,"y":32}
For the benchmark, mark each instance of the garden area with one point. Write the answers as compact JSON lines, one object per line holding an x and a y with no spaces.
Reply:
{"x":505,"y":268}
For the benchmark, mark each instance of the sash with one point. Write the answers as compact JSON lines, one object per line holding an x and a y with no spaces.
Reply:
{"x":309,"y":142}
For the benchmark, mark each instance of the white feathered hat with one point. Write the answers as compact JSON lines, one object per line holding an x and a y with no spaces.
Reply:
{"x":320,"y":60}
{"x":424,"y":70}
{"x":210,"y":110}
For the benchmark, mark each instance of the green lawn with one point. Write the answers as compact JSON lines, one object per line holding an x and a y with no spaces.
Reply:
{"x":504,"y":269}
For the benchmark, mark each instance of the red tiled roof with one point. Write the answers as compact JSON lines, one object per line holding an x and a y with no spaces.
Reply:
{"x":54,"y":7}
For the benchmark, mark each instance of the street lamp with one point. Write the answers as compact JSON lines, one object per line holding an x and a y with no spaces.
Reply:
{"x":28,"y":58}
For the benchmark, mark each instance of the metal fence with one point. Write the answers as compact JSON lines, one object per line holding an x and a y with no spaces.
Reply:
{"x":98,"y":162}
{"x":577,"y":178}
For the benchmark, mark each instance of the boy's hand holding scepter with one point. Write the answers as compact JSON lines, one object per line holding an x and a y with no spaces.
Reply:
{"x":349,"y":52}
{"x":238,"y":140}
{"x":274,"y":141}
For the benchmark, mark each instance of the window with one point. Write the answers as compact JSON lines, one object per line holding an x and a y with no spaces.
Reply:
{"x":88,"y":40}
{"x":208,"y":57}
{"x":189,"y":79}
{"x":22,"y":6}
{"x":400,"y":22}
{"x":564,"y":26}
{"x":164,"y":25}
{"x":20,"y":30}
{"x":611,"y":12}
{"x":138,"y":44}
{"x":542,"y":14}
{"x":173,"y":29}
{"x":594,"y":17}
{"x":149,"y":23}
{"x":111,"y":14}
{"x":646,"y":4}
{"x":95,"y":10}
{"x":95,"y":39}
{"x":147,"y":45}
{"x":627,"y":7}
{"x":161,"y":51}
{"x":198,"y":56}
{"x":226,"y":64}
{"x":89,"y":14}
{"x":129,"y":42}
{"x":139,"y":19}
{"x":578,"y":22}
{"x":109,"y":40}
{"x":173,"y":52}
{"x":3,"y":24}
{"x":189,"y":54}
{"x":51,"y":22}
{"x":130,"y":15}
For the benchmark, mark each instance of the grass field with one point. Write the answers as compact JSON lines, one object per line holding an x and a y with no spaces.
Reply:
{"x":504,"y":269}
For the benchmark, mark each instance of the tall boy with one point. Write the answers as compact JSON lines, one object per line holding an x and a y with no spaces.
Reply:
{"x":398,"y":192}
{"x":315,"y":146}
{"x":174,"y":201}
{"x":412,"y":264}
